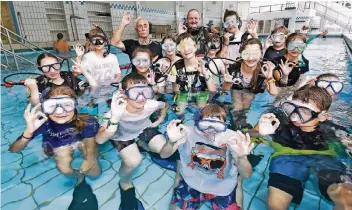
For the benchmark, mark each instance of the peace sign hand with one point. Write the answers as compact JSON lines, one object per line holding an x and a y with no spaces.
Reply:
{"x":79,"y":49}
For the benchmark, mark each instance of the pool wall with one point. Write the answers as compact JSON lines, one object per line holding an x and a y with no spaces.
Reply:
{"x":348,"y":40}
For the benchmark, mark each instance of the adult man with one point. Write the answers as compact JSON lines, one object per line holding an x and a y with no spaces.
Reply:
{"x":61,"y":46}
{"x":193,"y":27}
{"x":128,"y":46}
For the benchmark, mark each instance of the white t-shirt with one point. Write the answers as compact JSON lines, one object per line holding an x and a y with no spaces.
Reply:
{"x":233,"y":50}
{"x":220,"y":66}
{"x":132,"y":124}
{"x":207,"y":166}
{"x":103,"y":70}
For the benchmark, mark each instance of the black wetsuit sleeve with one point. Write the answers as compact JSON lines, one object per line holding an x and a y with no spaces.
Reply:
{"x":129,"y":47}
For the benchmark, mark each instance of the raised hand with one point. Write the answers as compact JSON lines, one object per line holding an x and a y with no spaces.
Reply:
{"x":267,"y":69}
{"x":151,"y":78}
{"x":252,"y":27}
{"x":118,"y":105}
{"x":227,"y":38}
{"x":286,"y":67}
{"x":176,"y":133}
{"x":79,"y":49}
{"x":268,"y":123}
{"x":240,"y":145}
{"x":31,"y":117}
{"x":77,"y":68}
{"x":126,"y":19}
{"x":31,"y":83}
{"x":181,"y":28}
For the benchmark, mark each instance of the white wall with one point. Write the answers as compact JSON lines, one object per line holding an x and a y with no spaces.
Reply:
{"x":38,"y":27}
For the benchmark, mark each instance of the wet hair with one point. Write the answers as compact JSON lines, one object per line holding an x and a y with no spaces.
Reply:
{"x":213,"y":110}
{"x":79,"y":121}
{"x":295,"y":36}
{"x":245,"y":36}
{"x":59,"y":36}
{"x":133,"y":78}
{"x":95,"y":32}
{"x":253,"y":41}
{"x":281,"y":29}
{"x":184,"y":36}
{"x":327,"y":76}
{"x":143,"y":49}
{"x":168,"y":37}
{"x":312,"y":94}
{"x":86,"y":35}
{"x":191,"y":10}
{"x":229,"y":13}
{"x":45,"y":55}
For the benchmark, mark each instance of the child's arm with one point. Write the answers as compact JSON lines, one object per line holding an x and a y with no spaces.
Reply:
{"x":32,"y":124}
{"x":34,"y":91}
{"x":223,"y":52}
{"x":240,"y":146}
{"x":162,"y":116}
{"x":267,"y":70}
{"x":177,"y":135}
{"x":116,"y":38}
{"x":227,"y":82}
{"x":109,"y":127}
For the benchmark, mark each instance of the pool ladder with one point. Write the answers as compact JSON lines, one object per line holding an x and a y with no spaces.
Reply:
{"x":12,"y":39}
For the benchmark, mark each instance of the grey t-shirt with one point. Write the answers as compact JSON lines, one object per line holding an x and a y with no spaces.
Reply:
{"x":208,"y":166}
{"x":131,"y":124}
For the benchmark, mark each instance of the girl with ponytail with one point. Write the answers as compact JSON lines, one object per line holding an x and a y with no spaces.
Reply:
{"x":63,"y":130}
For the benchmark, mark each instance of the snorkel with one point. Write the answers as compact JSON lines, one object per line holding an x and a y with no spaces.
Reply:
{"x":105,"y":37}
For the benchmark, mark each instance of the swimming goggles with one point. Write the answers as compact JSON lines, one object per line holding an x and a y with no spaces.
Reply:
{"x":277,"y":37}
{"x":146,"y":91}
{"x":305,"y":114}
{"x":336,"y":86}
{"x":299,"y":46}
{"x":251,"y":55}
{"x":68,"y":104}
{"x":47,"y":68}
{"x":169,"y":46}
{"x":213,"y":44}
{"x":97,"y":40}
{"x":230,"y":23}
{"x":141,"y":62}
{"x":206,"y":124}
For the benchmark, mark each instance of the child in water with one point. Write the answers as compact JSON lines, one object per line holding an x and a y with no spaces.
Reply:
{"x":128,"y":122}
{"x":300,"y":149}
{"x":211,"y":158}
{"x":63,"y":131}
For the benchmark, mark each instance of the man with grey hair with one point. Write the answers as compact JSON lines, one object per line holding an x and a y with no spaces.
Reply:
{"x":129,"y":45}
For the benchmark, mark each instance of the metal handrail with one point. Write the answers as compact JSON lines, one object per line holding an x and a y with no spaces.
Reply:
{"x":9,"y":34}
{"x":26,"y":41}
{"x":17,"y":56}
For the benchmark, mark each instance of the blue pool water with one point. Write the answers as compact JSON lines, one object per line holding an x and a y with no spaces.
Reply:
{"x":29,"y":180}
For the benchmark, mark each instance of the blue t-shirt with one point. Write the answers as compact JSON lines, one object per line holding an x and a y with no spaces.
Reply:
{"x":57,"y":135}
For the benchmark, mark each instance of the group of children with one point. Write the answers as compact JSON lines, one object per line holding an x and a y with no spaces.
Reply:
{"x":211,"y":158}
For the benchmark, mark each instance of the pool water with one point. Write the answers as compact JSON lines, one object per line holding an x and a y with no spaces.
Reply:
{"x":30,"y":180}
